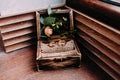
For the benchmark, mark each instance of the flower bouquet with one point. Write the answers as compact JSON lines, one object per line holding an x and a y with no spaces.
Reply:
{"x":55,"y":25}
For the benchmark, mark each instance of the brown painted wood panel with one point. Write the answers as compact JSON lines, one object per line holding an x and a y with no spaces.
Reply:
{"x":18,"y":39}
{"x":101,"y":40}
{"x":19,"y":45}
{"x":103,"y":53}
{"x":16,"y":19}
{"x":102,"y":11}
{"x":97,"y":60}
{"x":17,"y":26}
{"x":100,"y":27}
{"x":17,"y":31}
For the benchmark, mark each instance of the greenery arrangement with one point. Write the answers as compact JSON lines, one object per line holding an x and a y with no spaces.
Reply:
{"x":54,"y":24}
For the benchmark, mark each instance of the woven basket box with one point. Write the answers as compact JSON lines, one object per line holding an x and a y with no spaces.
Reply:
{"x":60,"y":55}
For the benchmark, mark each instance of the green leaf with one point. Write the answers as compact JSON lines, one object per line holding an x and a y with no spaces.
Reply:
{"x":65,"y":19}
{"x":59,"y":23}
{"x":41,"y":20}
{"x":53,"y":24}
{"x":49,"y":20}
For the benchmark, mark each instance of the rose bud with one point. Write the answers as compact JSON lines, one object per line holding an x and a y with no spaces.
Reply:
{"x":48,"y":31}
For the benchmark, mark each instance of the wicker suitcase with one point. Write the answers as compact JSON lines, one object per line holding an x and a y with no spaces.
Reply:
{"x":64,"y":51}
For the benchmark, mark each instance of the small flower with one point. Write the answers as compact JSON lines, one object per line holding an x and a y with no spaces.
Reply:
{"x":64,"y":18}
{"x":48,"y":31}
{"x":53,"y":24}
